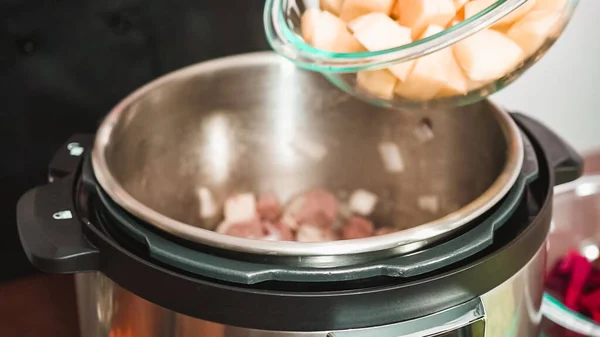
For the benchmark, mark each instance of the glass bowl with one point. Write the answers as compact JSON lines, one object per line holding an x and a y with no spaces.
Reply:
{"x":416,"y":62}
{"x":575,"y":225}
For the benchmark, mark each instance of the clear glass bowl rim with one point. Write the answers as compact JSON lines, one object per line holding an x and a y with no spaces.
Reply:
{"x":288,"y":44}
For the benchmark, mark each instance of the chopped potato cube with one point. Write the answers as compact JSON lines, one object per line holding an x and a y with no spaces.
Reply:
{"x":326,"y":31}
{"x":309,"y":21}
{"x":365,"y":20}
{"x":533,"y":30}
{"x":550,"y":5}
{"x":418,"y":14}
{"x":379,"y":83}
{"x":473,"y":7}
{"x":433,"y":74}
{"x":351,"y":9}
{"x":487,"y":55}
{"x":332,"y":6}
{"x":383,"y":33}
{"x":459,"y":4}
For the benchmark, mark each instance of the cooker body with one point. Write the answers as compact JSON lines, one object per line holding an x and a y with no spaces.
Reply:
{"x":510,"y":309}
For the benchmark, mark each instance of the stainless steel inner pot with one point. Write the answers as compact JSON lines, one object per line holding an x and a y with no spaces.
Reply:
{"x":233,"y":125}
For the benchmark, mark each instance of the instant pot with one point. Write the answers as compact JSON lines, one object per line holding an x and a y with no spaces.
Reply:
{"x":122,"y":212}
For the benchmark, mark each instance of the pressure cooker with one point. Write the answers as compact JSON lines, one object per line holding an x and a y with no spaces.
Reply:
{"x":121,"y":212}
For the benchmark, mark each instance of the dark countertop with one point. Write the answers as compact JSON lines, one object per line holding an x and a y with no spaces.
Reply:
{"x":45,"y":305}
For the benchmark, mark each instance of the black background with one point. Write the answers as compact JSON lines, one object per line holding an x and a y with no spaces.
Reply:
{"x":65,"y":63}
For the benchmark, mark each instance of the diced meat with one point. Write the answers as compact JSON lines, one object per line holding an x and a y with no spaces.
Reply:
{"x":268,"y":206}
{"x":315,"y":207}
{"x":384,"y":231}
{"x":240,"y":208}
{"x":252,"y":229}
{"x":309,"y":233}
{"x":357,"y":228}
{"x":487,"y":55}
{"x":278,"y":232}
{"x":362,"y":202}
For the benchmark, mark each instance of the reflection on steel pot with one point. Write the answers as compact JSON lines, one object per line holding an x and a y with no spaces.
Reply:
{"x":474,"y":269}
{"x":231,"y":125}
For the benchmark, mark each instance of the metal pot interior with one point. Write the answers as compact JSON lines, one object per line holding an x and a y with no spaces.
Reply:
{"x":229,"y":126}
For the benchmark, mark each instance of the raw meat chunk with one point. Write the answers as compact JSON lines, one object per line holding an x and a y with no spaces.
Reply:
{"x":384,"y":231}
{"x":252,"y":229}
{"x":315,"y":207}
{"x":357,"y":228}
{"x":278,"y":232}
{"x":309,"y":233}
{"x":268,"y":206}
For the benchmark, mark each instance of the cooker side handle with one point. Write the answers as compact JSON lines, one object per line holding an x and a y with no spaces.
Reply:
{"x":565,"y":161}
{"x":47,"y":221}
{"x":51,"y":232}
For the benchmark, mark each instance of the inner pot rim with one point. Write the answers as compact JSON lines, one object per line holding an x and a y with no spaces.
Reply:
{"x":403,"y":241}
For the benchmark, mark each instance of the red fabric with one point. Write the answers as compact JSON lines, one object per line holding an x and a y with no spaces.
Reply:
{"x":577,"y":282}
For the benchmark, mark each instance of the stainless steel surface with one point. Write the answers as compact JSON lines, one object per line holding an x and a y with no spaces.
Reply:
{"x":511,"y":310}
{"x":229,"y":125}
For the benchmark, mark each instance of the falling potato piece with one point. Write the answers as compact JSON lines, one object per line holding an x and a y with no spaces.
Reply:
{"x":326,"y":31}
{"x":533,"y":30}
{"x":351,"y":9}
{"x":473,"y":7}
{"x":487,"y":55}
{"x":332,"y":6}
{"x":379,"y":83}
{"x":419,"y":14}
{"x":380,"y":32}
